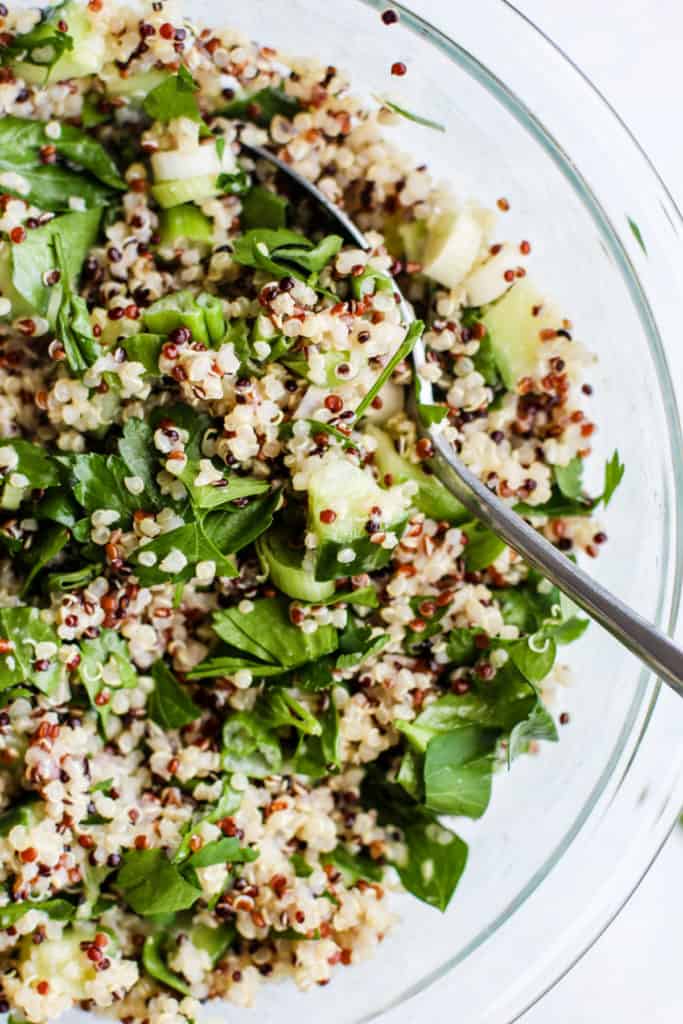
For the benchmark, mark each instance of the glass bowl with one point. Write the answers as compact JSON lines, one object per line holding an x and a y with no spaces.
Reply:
{"x":571,"y":832}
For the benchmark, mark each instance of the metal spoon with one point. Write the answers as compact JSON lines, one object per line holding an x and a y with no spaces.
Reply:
{"x":648,"y":643}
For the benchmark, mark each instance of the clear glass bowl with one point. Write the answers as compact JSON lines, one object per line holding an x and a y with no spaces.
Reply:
{"x":570,"y":833}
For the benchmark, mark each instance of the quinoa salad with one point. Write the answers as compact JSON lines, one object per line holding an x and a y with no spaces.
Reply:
{"x":255,"y":660}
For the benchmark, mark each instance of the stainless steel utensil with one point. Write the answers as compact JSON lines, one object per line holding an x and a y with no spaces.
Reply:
{"x":648,"y":643}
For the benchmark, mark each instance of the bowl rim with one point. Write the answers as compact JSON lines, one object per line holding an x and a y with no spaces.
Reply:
{"x":668,"y":603}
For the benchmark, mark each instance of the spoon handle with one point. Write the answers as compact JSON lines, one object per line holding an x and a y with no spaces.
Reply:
{"x":647,"y":642}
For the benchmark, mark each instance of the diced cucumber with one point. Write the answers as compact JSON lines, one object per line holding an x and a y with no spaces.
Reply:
{"x":413,"y":238}
{"x":192,"y":190}
{"x":186,"y":222}
{"x":356,"y":503}
{"x":494,"y":277}
{"x":86,"y":57}
{"x":12,"y":496}
{"x":177,"y":310}
{"x":182,"y":164}
{"x":284,"y":566}
{"x":299,"y":364}
{"x":432,"y":497}
{"x":454,"y":241}
{"x":134,"y":86}
{"x":515,"y":331}
{"x":213,"y":316}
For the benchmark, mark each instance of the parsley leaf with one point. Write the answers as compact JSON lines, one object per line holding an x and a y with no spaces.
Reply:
{"x":614,"y":473}
{"x":24,"y":628}
{"x":105,"y":665}
{"x":262,"y":106}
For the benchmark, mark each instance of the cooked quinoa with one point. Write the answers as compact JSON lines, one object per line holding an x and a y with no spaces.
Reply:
{"x":255,"y":660}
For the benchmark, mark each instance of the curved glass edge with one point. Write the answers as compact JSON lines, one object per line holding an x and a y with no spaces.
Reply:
{"x":642,"y":709}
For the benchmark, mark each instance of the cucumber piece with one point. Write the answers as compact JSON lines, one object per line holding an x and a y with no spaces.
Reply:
{"x":187,"y":222}
{"x":356,"y":500}
{"x":432,"y":497}
{"x":299,"y":364}
{"x":177,"y":310}
{"x":454,"y":241}
{"x":413,"y":237}
{"x":488,"y":282}
{"x":192,"y":190}
{"x":12,"y":496}
{"x":515,"y":332}
{"x":213,"y":316}
{"x":182,"y":164}
{"x":284,"y":566}
{"x":136,"y":86}
{"x":86,"y":57}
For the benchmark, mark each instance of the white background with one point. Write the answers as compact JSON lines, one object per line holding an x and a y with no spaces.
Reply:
{"x":632,"y":50}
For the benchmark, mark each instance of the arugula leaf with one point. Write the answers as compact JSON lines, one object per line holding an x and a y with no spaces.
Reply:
{"x":353,"y":867}
{"x":614,"y":474}
{"x":168,"y":704}
{"x":262,"y":106}
{"x":483,"y":546}
{"x":568,"y":478}
{"x":413,"y":333}
{"x":249,"y":747}
{"x":416,"y":118}
{"x":150,"y":884}
{"x":221,"y":851}
{"x":263,"y":208}
{"x":24,"y":628}
{"x":174,"y":97}
{"x":458,"y":771}
{"x":155,"y":965}
{"x":57,"y":909}
{"x":31,"y":261}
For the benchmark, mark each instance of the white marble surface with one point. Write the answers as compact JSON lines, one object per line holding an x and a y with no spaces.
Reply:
{"x":631,"y":49}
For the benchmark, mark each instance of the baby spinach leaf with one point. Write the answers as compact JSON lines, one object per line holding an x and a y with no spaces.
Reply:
{"x":169,"y":704}
{"x":458,"y":771}
{"x":267,"y":634}
{"x":42,"y":46}
{"x":57,"y":909}
{"x":73,"y":320}
{"x":49,"y":543}
{"x":249,"y":747}
{"x":353,"y":867}
{"x":174,"y":97}
{"x":150,"y":884}
{"x":462,"y":646}
{"x":317,"y":756}
{"x":263,"y":208}
{"x":278,"y":708}
{"x":21,"y":140}
{"x":221,"y":851}
{"x":262,"y":106}
{"x":155,"y":965}
{"x":23,"y":813}
{"x":538,"y":726}
{"x":483,"y":546}
{"x":534,"y":656}
{"x":33,"y":259}
{"x":434,"y":863}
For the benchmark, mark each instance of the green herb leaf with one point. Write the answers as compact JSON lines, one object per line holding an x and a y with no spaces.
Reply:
{"x":156,"y":967}
{"x":57,"y":909}
{"x":409,"y":116}
{"x":169,"y":705}
{"x":263,"y":208}
{"x":458,"y":771}
{"x":49,"y":543}
{"x":136,"y":448}
{"x":249,"y":747}
{"x":353,"y":867}
{"x":150,"y":884}
{"x":109,"y":650}
{"x":267,"y":634}
{"x":262,"y":106}
{"x":538,"y":726}
{"x":435,"y":861}
{"x":614,"y":474}
{"x":222,"y":851}
{"x":413,"y":333}
{"x":483,"y":546}
{"x":24,"y":628}
{"x":174,"y":97}
{"x":568,"y":478}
